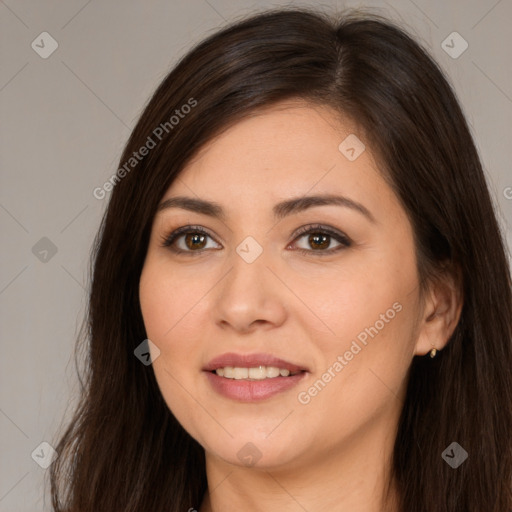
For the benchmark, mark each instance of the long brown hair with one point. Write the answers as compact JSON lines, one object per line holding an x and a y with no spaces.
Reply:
{"x":123,"y":449}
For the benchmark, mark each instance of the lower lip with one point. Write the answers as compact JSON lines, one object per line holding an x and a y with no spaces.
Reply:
{"x":252,"y":390}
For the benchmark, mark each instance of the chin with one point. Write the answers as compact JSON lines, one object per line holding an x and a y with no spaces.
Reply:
{"x":251,"y":449}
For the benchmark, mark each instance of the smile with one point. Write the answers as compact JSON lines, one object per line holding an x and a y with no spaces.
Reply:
{"x":243,"y":389}
{"x":257,"y":373}
{"x":252,"y":377}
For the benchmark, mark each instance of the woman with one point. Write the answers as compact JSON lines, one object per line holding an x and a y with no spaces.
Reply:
{"x":301,"y":240}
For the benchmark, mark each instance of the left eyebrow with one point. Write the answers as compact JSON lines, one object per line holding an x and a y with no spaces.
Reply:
{"x":299,"y":204}
{"x":280,"y":210}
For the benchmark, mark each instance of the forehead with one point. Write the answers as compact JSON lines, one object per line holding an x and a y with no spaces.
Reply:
{"x":289,"y":150}
{"x":292,"y":144}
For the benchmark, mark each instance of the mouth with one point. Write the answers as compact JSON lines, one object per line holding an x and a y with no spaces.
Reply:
{"x":254,"y":373}
{"x":252,"y":366}
{"x":252,"y":377}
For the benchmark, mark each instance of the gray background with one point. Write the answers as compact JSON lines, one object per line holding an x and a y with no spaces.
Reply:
{"x":64,"y":120}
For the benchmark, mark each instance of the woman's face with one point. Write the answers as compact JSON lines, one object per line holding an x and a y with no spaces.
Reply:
{"x":338,"y":302}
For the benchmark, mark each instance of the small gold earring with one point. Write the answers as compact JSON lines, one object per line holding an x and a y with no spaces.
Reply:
{"x":433,"y":353}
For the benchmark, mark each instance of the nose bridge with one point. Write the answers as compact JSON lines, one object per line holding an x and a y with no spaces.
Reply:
{"x":249,"y":291}
{"x":248,"y":276}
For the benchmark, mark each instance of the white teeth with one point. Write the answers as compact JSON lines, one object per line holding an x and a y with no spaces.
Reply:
{"x":240,"y":373}
{"x":258,"y":373}
{"x":272,"y":371}
{"x":228,"y":372}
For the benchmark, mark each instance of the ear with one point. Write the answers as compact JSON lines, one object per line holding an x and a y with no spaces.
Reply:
{"x":441,"y":313}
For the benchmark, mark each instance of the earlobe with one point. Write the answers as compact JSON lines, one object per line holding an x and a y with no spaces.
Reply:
{"x":442,"y":309}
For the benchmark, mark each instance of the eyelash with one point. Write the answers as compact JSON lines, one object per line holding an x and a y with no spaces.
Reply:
{"x":318,"y":229}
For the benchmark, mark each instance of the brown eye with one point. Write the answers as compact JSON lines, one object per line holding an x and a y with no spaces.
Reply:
{"x":195,"y":240}
{"x":319,"y":239}
{"x":187,"y":239}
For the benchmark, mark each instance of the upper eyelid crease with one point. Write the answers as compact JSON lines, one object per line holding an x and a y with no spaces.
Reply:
{"x":280,"y":210}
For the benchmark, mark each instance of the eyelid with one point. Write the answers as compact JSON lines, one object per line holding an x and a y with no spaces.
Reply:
{"x":339,"y":236}
{"x":168,"y":240}
{"x":320,"y":228}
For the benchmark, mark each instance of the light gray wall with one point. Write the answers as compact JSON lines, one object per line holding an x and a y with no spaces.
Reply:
{"x":64,"y":120}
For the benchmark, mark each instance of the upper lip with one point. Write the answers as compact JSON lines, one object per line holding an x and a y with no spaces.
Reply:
{"x":251,"y":361}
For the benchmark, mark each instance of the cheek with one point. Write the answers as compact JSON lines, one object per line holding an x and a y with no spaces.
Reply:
{"x":370,"y":311}
{"x":153,"y":301}
{"x":169,"y":309}
{"x":164,"y":313}
{"x":158,"y":305}
{"x":363,"y":292}
{"x":166,"y":302}
{"x":360,"y":382}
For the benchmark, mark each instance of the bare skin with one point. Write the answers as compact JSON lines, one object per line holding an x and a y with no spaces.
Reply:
{"x":316,"y":451}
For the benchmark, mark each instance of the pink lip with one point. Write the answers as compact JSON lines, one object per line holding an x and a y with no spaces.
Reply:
{"x":251,"y":361}
{"x":252,"y":390}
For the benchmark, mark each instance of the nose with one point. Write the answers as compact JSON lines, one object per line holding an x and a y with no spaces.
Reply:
{"x":249,"y":297}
